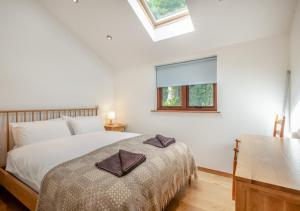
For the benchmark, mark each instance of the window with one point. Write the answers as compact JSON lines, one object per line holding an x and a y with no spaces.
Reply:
{"x":163,"y":19}
{"x":171,"y":96}
{"x":201,"y":95}
{"x":187,"y":86}
{"x":164,"y":11}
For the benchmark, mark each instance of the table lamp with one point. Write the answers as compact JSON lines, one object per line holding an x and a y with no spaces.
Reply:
{"x":111,"y":116}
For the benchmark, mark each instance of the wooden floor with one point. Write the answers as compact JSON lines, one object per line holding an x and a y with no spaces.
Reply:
{"x":210,"y":192}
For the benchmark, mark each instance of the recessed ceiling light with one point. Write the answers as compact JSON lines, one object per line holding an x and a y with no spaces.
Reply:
{"x":75,"y":1}
{"x":109,"y":37}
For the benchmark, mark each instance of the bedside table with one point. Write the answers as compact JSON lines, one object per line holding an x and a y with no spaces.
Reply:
{"x":115,"y":127}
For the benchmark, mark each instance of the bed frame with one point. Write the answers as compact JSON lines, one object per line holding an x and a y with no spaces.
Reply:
{"x":20,"y":190}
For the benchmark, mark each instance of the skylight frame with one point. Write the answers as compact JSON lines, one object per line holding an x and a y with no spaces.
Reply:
{"x":165,"y":31}
{"x":164,"y":21}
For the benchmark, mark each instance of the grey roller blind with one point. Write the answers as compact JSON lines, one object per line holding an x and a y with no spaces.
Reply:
{"x":201,"y":71}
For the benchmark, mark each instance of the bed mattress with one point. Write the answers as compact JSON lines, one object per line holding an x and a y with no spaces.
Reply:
{"x":31,"y":163}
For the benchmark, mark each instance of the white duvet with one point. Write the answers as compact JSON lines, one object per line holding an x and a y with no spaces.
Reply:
{"x":30,"y":163}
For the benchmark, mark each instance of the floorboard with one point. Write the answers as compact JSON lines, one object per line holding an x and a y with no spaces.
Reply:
{"x":209,"y":193}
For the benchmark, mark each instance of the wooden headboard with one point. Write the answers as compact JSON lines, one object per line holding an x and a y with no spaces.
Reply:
{"x":32,"y":115}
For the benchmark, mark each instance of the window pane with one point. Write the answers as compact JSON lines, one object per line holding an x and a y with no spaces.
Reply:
{"x":164,"y":8}
{"x":201,"y":95}
{"x":171,"y":96}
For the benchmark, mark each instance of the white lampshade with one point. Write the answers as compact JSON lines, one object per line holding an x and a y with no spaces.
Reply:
{"x":111,"y":115}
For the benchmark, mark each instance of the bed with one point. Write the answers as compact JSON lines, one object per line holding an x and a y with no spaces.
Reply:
{"x":59,"y":173}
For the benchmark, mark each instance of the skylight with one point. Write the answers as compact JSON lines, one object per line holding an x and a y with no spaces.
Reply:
{"x":163,"y":19}
{"x":164,"y":11}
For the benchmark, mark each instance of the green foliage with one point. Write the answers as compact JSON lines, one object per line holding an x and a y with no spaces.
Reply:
{"x":201,"y":95}
{"x":171,"y":96}
{"x":164,"y":8}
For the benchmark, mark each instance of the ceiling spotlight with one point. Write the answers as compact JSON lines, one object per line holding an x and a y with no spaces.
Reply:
{"x":75,"y":1}
{"x":109,"y":37}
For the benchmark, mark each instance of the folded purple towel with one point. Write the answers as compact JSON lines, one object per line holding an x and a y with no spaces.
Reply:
{"x":165,"y":141}
{"x":155,"y":142}
{"x":121,"y":163}
{"x":160,"y":141}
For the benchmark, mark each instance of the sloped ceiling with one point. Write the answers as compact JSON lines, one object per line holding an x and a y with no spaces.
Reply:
{"x":217,"y":23}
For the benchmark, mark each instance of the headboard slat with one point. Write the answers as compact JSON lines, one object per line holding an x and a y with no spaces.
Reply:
{"x":7,"y":131}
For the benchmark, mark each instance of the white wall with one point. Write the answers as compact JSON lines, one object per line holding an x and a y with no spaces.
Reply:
{"x":251,"y":80}
{"x":42,"y":65}
{"x":295,"y":67}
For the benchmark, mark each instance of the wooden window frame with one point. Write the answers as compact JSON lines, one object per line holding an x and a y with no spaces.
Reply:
{"x":167,"y":20}
{"x":185,"y":102}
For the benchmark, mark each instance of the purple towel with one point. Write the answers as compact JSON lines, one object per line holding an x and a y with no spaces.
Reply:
{"x":155,"y":142}
{"x":160,"y":141}
{"x":165,"y":141}
{"x":121,"y":163}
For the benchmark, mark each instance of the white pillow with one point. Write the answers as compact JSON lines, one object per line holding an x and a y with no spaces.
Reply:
{"x":25,"y":133}
{"x":10,"y":135}
{"x":80,"y":125}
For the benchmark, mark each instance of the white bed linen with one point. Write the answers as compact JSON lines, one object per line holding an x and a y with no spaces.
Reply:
{"x":31,"y":163}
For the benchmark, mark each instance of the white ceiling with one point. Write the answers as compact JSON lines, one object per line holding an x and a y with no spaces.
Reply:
{"x":217,"y":23}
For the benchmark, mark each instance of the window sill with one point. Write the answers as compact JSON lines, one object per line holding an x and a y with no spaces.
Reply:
{"x":184,"y":111}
